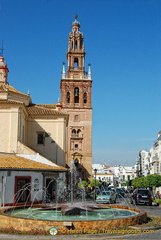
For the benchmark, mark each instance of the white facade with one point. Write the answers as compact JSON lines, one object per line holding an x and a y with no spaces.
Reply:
{"x":114,"y":175}
{"x":144,"y":162}
{"x":29,"y":178}
{"x":155,"y":159}
{"x":150,"y":162}
{"x":7,"y":193}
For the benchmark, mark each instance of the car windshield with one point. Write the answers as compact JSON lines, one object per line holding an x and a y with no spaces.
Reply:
{"x":119,"y":190}
{"x":106,"y":193}
{"x":143,"y":192}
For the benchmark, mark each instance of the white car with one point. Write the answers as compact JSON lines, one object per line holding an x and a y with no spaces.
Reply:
{"x":106,"y":197}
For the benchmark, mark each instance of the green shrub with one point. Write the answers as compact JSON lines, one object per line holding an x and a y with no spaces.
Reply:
{"x":158,"y":201}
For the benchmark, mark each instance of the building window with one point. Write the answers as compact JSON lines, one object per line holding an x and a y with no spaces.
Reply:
{"x":76,"y":118}
{"x":75,"y":45}
{"x":40,"y":138}
{"x":76,"y":133}
{"x":76,"y":146}
{"x":68,"y":97}
{"x":85,"y":98}
{"x":75,"y":63}
{"x":76,"y":96}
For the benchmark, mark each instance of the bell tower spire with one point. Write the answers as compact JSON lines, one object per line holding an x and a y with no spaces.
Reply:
{"x":76,"y":54}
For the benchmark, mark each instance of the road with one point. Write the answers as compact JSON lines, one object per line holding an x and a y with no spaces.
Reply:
{"x":151,"y":211}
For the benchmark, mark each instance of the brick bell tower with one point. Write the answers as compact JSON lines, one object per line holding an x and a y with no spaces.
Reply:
{"x":76,"y":91}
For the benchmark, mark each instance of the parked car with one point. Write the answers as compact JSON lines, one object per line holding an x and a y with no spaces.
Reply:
{"x":141,"y":196}
{"x":120,"y":192}
{"x":106,"y":197}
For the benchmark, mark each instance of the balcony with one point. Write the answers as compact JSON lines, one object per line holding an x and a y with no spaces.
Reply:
{"x":76,"y":76}
{"x":76,"y":136}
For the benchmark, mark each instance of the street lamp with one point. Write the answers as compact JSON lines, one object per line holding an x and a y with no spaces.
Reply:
{"x":95,"y":172}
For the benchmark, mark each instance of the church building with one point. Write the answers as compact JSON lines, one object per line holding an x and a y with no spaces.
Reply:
{"x":32,"y":145}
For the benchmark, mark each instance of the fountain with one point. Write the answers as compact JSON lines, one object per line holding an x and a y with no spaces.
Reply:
{"x":78,"y":217}
{"x":70,"y":216}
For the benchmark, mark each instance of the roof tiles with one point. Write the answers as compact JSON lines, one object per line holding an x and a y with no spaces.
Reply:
{"x":35,"y":110}
{"x":13,"y":161}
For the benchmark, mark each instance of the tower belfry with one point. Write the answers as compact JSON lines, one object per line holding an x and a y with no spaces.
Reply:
{"x":76,"y":91}
{"x":76,"y":54}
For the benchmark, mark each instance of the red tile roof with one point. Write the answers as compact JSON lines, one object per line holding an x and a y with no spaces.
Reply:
{"x":37,"y":110}
{"x":12,"y":161}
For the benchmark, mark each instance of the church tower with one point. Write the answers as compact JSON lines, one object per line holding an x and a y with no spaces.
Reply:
{"x":76,"y":94}
{"x":3,"y":71}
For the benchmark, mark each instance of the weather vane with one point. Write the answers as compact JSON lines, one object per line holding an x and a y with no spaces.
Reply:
{"x":2,"y":49}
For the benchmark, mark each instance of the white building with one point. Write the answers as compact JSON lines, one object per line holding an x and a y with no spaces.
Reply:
{"x":155,"y":156}
{"x":144,"y":163}
{"x":29,"y":178}
{"x":115,"y":175}
{"x":103,"y":173}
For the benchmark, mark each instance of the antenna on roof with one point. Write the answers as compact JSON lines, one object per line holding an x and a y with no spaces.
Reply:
{"x":2,"y":49}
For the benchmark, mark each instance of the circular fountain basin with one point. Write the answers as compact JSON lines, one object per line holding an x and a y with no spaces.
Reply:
{"x":102,"y":219}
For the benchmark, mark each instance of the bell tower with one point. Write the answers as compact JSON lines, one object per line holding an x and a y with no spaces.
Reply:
{"x":76,"y":91}
{"x":3,"y":71}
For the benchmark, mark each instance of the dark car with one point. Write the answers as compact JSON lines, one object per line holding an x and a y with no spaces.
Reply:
{"x":141,"y":196}
{"x":120,"y":192}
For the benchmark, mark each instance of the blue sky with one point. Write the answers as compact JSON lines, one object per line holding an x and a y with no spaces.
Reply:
{"x":123,"y":44}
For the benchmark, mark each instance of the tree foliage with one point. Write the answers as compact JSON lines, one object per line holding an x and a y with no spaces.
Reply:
{"x":83,"y":184}
{"x":125,"y":184}
{"x":94,"y":183}
{"x":151,"y":180}
{"x":154,"y":180}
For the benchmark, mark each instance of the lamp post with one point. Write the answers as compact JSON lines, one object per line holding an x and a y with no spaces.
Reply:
{"x":95,"y":172}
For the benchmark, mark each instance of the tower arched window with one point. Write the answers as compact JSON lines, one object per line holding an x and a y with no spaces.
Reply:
{"x":74,"y":133}
{"x":81,"y":44}
{"x":68,"y":97}
{"x":78,"y":132}
{"x":85,"y":98}
{"x":76,"y":96}
{"x":75,"y":44}
{"x":75,"y":63}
